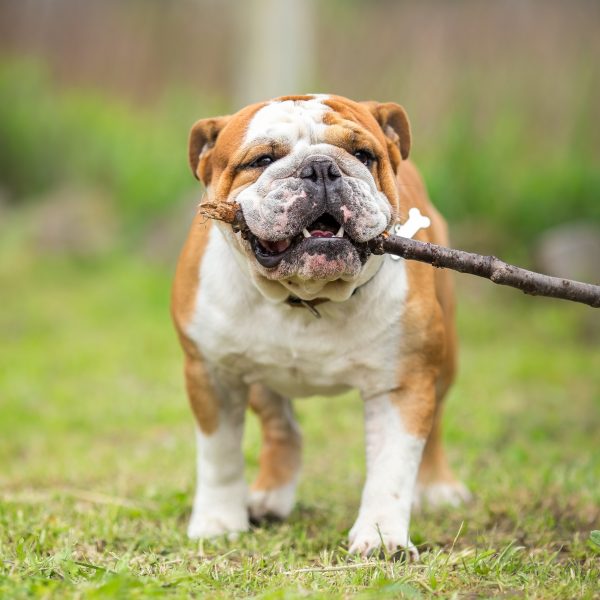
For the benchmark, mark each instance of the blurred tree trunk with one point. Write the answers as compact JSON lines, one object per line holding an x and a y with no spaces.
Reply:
{"x":275,"y":49}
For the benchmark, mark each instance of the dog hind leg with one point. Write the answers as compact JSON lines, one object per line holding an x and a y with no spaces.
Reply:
{"x":272,"y":495}
{"x":436,"y":484}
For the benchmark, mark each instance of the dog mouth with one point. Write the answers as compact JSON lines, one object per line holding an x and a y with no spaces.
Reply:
{"x":324,"y":228}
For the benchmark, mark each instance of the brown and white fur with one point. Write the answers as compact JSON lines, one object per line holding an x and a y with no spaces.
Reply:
{"x":386,"y":326}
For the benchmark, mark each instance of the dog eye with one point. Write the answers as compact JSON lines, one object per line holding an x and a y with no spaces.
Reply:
{"x":261,"y":162}
{"x":365,"y":157}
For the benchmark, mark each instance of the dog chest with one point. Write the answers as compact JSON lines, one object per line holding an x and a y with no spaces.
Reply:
{"x":353,"y":345}
{"x":298,"y":355}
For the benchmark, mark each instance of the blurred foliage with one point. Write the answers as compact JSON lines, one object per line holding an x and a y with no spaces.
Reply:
{"x":50,"y":137}
{"x":499,"y":175}
{"x":475,"y":174}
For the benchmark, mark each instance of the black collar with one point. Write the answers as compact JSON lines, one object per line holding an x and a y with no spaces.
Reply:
{"x":296,"y":302}
{"x":311,"y":305}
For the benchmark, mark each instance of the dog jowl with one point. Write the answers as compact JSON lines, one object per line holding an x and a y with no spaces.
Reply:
{"x":297,"y":307}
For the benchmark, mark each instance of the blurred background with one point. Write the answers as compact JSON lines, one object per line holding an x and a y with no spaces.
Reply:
{"x":98,"y":98}
{"x":96,"y":196}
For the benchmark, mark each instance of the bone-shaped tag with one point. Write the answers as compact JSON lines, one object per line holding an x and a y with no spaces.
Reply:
{"x":414,"y":222}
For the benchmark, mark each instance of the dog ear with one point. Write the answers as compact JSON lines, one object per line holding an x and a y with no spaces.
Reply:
{"x":393,"y":121}
{"x":203,"y":136}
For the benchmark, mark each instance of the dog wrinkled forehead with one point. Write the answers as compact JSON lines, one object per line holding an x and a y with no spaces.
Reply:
{"x":218,"y":146}
{"x":291,"y":120}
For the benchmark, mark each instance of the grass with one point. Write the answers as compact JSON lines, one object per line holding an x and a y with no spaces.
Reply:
{"x":97,"y":454}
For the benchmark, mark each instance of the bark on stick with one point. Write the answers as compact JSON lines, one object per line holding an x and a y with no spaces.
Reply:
{"x":489,"y":267}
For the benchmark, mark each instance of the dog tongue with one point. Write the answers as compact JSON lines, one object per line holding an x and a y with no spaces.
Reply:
{"x":320,"y":233}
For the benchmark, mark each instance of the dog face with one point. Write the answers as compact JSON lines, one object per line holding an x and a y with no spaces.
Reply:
{"x":315,"y":178}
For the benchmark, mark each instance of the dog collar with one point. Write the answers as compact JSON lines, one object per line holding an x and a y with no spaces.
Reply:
{"x":310,"y":305}
{"x":296,"y":302}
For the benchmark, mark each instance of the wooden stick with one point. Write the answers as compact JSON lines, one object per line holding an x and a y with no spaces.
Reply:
{"x":334,"y":568}
{"x":489,"y":267}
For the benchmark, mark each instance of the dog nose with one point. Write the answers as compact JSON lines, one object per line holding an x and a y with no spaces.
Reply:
{"x":321,"y":170}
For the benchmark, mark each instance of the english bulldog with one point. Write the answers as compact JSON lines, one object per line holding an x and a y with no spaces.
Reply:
{"x":298,"y":307}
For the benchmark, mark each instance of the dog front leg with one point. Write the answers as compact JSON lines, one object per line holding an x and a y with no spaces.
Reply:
{"x":396,"y":427}
{"x":220,"y":502}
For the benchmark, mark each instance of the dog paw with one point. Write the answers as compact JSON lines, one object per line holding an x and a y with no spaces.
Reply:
{"x":369,"y":536}
{"x":215,"y":522}
{"x":273,"y":504}
{"x":439,"y":494}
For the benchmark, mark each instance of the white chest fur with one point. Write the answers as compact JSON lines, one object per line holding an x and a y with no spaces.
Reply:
{"x":242,"y":335}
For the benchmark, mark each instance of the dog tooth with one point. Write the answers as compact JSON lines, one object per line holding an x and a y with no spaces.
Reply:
{"x":306,"y":232}
{"x":340,"y":232}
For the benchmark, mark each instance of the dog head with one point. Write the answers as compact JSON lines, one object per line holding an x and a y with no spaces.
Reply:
{"x":315,"y":177}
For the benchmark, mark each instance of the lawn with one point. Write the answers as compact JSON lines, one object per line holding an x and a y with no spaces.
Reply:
{"x":97,"y":454}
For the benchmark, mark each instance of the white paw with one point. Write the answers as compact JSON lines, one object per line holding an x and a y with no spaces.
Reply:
{"x":218,"y":521}
{"x":277,"y":502}
{"x":441,"y":494}
{"x":368,"y":535}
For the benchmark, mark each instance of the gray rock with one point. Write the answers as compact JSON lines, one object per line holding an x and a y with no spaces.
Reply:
{"x":571,"y":250}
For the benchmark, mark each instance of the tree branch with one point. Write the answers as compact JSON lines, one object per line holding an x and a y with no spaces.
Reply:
{"x":489,"y":267}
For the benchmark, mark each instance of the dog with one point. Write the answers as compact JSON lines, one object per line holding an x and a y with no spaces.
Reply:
{"x":297,"y":307}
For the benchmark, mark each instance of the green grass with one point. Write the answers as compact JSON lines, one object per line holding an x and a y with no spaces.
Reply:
{"x":97,"y":454}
